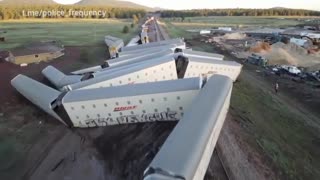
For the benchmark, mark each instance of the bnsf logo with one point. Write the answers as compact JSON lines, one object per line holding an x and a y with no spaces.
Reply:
{"x":124,"y":108}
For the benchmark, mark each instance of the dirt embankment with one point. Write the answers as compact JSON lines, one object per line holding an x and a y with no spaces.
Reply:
{"x":260,"y":47}
{"x":277,"y":54}
{"x":241,"y":161}
{"x":287,"y":54}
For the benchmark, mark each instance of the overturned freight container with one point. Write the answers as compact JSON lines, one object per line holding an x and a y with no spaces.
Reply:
{"x":168,"y":67}
{"x":206,"y":116}
{"x":114,"y":45}
{"x":59,"y":79}
{"x":148,"y":102}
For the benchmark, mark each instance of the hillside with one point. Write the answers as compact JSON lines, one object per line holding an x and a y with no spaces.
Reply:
{"x":113,"y":3}
{"x":279,"y":8}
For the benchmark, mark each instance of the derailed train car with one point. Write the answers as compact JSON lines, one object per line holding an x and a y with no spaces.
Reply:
{"x":164,"y":48}
{"x":206,"y":116}
{"x":59,"y":79}
{"x":200,"y":54}
{"x":112,"y":62}
{"x":199,"y":103}
{"x":193,"y":87}
{"x":145,"y":55}
{"x":161,"y":81}
{"x":159,"y":69}
{"x":148,"y":102}
{"x":145,"y":69}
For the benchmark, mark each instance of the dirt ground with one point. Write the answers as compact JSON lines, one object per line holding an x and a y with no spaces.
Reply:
{"x":28,"y":134}
{"x":9,"y":70}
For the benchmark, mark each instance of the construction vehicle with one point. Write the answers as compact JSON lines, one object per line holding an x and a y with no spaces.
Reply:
{"x":257,"y":60}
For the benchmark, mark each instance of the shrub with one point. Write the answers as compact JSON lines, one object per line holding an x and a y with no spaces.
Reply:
{"x":125,"y":29}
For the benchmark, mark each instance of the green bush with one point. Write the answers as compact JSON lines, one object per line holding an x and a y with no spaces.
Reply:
{"x":125,"y":29}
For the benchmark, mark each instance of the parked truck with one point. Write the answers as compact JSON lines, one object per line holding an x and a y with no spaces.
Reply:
{"x":257,"y":60}
{"x":291,"y":69}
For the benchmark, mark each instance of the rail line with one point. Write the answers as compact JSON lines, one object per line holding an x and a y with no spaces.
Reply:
{"x":160,"y":34}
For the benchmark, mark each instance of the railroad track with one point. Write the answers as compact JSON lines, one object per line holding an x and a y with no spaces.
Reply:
{"x":160,"y":34}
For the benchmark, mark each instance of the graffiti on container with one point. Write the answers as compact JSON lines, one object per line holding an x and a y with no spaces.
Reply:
{"x":152,"y":117}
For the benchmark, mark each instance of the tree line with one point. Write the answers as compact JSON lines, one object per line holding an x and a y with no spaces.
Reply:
{"x":239,"y":12}
{"x":20,"y":12}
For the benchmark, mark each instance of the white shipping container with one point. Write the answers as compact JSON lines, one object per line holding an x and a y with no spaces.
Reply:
{"x":202,"y":32}
{"x":207,"y":67}
{"x":225,"y":29}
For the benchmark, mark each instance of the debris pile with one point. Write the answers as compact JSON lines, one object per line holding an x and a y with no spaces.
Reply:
{"x":293,"y":51}
{"x":289,"y":54}
{"x":314,"y":52}
{"x":260,"y":47}
{"x":290,"y":47}
{"x":234,"y":36}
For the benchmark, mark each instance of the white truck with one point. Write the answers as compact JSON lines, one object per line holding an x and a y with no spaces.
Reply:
{"x":291,"y":69}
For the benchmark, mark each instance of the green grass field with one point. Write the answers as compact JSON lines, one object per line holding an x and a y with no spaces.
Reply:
{"x":215,"y":21}
{"x":176,"y":28}
{"x":280,"y":131}
{"x":176,"y":31}
{"x":69,"y":32}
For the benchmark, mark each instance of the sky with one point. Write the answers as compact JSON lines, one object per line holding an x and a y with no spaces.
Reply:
{"x":211,"y":4}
